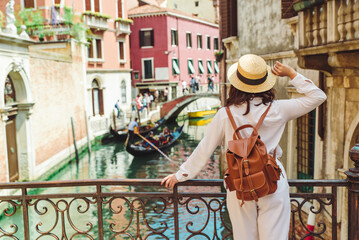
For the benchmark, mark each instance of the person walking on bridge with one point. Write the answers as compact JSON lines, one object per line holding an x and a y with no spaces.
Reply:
{"x":251,"y":95}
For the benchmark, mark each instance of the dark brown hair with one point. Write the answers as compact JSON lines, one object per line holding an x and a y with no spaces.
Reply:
{"x":238,"y":97}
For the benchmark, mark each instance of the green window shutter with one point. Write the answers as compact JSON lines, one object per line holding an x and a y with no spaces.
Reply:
{"x":216,"y":68}
{"x":209,"y":67}
{"x":175,"y":67}
{"x":190,"y":67}
{"x":200,"y":67}
{"x":142,"y":38}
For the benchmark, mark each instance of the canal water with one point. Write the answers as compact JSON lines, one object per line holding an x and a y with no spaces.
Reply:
{"x":111,"y":161}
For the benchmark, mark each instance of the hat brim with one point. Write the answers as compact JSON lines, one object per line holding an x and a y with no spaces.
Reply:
{"x":265,"y":86}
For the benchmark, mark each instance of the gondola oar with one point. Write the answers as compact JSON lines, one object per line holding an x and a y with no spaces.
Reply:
{"x":136,"y":131}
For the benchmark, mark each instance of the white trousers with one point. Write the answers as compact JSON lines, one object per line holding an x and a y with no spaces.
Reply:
{"x":267,"y":219}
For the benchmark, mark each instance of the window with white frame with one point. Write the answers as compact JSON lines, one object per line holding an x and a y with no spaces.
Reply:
{"x":146,"y":38}
{"x":174,"y":37}
{"x":147,"y":68}
{"x":123,"y":91}
{"x":29,"y":3}
{"x":190,"y":66}
{"x":94,"y":49}
{"x":199,"y":41}
{"x":215,"y":43}
{"x":120,"y":12}
{"x":208,"y":42}
{"x":121,"y":50}
{"x":189,"y":39}
{"x":93,"y":5}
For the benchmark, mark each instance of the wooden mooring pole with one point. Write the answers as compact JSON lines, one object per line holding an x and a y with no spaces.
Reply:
{"x":88,"y":134}
{"x":74,"y":136}
{"x":353,"y":194}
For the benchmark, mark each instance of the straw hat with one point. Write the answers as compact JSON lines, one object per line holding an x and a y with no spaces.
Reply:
{"x":251,"y":74}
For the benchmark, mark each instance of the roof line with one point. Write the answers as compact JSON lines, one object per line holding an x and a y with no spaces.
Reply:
{"x":173,"y":15}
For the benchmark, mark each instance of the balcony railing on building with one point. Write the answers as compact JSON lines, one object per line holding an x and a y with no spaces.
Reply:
{"x":325,"y":22}
{"x":95,"y":20}
{"x":123,"y":26}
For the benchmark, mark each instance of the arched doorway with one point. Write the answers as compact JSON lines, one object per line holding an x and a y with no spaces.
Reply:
{"x":11,"y":133}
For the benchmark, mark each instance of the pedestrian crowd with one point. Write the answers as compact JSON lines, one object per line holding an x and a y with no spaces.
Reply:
{"x":194,"y":84}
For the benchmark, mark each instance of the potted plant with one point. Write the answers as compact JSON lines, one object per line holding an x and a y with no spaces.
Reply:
{"x":218,"y":55}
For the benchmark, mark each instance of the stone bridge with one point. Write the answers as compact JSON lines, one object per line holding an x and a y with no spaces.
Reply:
{"x":171,"y":109}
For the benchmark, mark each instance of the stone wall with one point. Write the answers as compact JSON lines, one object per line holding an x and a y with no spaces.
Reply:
{"x":261,"y":29}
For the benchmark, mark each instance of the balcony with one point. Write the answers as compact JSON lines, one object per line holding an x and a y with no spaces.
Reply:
{"x":328,"y":33}
{"x":96,"y":20}
{"x":123,"y":26}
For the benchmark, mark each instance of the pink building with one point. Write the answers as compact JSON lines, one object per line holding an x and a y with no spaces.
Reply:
{"x":168,"y":46}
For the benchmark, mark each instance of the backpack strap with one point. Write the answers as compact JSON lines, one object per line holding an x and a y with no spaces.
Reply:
{"x":262,"y":117}
{"x":230,"y":116}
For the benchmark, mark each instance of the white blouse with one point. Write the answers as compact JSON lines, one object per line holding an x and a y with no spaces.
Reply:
{"x":270,"y":132}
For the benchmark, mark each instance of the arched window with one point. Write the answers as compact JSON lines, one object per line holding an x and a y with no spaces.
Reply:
{"x":123,"y":91}
{"x":9,"y":91}
{"x":97,"y":98}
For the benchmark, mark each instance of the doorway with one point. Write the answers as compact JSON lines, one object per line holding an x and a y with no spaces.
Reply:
{"x":11,"y":143}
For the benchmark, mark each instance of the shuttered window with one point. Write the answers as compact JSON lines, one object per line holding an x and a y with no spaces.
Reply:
{"x":228,"y":13}
{"x":199,"y":41}
{"x":305,"y":148}
{"x":174,"y":37}
{"x":189,"y":40}
{"x":97,"y":5}
{"x":146,"y":38}
{"x":190,"y":66}
{"x":119,"y":8}
{"x":88,"y":5}
{"x":121,"y":49}
{"x":148,"y":69}
{"x":175,"y":66}
{"x":92,"y":5}
{"x":200,"y":67}
{"x":99,"y":48}
{"x":215,"y":43}
{"x":29,"y":4}
{"x":287,"y":9}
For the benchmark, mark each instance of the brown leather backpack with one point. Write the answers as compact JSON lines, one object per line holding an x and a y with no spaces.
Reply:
{"x":252,"y":172}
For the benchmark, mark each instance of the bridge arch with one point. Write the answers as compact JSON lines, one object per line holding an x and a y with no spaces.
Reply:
{"x":171,"y":109}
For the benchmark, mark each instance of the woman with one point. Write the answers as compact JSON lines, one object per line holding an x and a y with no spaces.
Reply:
{"x":251,"y":93}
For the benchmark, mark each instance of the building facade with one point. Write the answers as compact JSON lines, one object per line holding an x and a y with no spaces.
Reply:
{"x":168,"y":46}
{"x":108,"y":69}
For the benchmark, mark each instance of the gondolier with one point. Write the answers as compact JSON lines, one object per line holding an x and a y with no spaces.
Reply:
{"x":131,"y":128}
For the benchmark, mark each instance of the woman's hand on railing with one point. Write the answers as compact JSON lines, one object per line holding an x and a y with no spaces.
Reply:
{"x":283,"y":70}
{"x":170,"y":181}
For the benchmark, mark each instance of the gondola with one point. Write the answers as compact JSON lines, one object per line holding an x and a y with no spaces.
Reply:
{"x":121,"y":134}
{"x":138,"y":150}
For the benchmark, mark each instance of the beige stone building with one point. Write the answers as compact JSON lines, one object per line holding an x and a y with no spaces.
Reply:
{"x":321,"y":41}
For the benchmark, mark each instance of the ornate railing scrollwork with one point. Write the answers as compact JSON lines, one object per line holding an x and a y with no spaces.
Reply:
{"x":183,"y":213}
